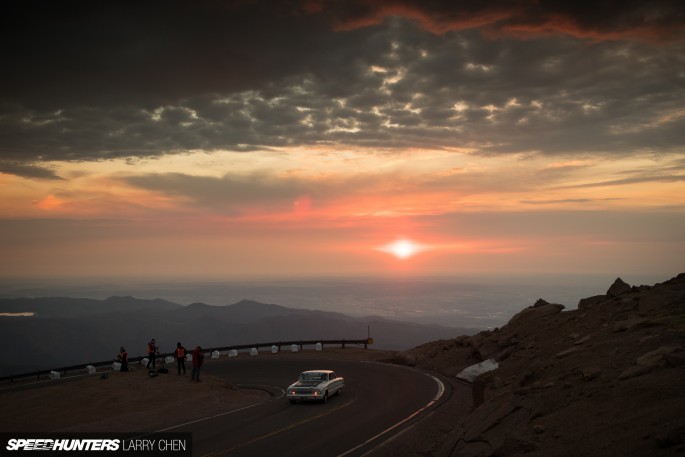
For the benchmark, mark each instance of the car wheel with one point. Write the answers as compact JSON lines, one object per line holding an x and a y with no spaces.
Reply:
{"x":325,"y":397}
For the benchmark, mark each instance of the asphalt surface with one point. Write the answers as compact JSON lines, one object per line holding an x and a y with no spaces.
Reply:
{"x":377,"y":402}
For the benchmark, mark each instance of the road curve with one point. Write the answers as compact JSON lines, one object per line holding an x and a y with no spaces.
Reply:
{"x":378,"y":400}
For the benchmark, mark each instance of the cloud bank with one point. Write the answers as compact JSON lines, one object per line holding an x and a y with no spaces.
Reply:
{"x":89,"y":81}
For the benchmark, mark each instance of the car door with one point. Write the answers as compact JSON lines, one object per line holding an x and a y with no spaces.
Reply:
{"x":334,"y":383}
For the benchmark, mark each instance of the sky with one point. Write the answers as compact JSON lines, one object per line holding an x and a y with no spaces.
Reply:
{"x":223,"y":139}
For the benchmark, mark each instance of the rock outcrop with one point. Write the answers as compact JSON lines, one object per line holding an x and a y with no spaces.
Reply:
{"x":604,"y":379}
{"x":619,"y":287}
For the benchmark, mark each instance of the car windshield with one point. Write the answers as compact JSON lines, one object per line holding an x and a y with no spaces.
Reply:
{"x":313,"y":377}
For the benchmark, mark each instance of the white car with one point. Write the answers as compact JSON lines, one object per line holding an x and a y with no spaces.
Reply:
{"x":315,"y":385}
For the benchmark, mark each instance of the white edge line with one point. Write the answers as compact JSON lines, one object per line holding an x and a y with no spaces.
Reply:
{"x":202,"y":419}
{"x":441,"y":391}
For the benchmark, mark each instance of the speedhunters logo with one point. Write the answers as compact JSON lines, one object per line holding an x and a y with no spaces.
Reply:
{"x":176,"y":444}
{"x":38,"y":444}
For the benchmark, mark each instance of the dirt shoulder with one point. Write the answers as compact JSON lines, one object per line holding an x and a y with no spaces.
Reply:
{"x":122,"y":402}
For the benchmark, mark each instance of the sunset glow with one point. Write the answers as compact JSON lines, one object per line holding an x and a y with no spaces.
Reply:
{"x":402,"y":249}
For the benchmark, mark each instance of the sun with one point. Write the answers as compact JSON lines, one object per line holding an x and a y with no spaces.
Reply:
{"x":402,"y":249}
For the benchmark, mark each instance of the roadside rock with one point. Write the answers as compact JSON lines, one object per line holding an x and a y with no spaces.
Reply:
{"x":619,"y":287}
{"x":537,"y":311}
{"x":589,"y":302}
{"x":629,"y":324}
{"x":591,"y":373}
{"x":650,"y":361}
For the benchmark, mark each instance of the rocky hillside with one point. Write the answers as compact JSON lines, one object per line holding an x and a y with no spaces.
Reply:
{"x":606,"y":379}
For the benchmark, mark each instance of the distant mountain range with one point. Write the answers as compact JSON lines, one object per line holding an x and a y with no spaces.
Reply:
{"x":69,"y":331}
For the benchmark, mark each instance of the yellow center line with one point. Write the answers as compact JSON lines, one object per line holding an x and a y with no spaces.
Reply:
{"x":277,"y":431}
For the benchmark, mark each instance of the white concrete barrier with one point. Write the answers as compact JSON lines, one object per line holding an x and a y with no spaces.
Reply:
{"x":55,"y":375}
{"x":319,"y":347}
{"x":215,"y":354}
{"x":189,"y":357}
{"x":254,"y":352}
{"x":274,"y":349}
{"x":116,"y":366}
{"x":90,"y":369}
{"x":233,"y":353}
{"x":294,"y":348}
{"x":169,"y":359}
{"x":144,"y":361}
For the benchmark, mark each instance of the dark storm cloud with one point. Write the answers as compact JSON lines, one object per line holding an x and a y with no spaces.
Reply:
{"x":27,"y":170}
{"x":156,"y":52}
{"x":98,"y":80}
{"x":599,"y":20}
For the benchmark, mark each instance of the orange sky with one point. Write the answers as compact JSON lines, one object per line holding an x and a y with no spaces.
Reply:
{"x":307,"y":213}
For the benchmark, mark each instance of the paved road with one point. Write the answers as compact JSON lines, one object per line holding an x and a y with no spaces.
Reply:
{"x":376,"y":398}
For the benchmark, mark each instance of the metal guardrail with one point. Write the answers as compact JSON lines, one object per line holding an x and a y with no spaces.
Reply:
{"x":279,"y":344}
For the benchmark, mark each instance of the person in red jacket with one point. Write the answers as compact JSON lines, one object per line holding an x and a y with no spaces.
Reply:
{"x":180,"y":354}
{"x":152,"y":351}
{"x":198,"y":359}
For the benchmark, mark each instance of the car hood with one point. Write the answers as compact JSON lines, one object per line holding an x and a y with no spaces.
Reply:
{"x":306,"y":384}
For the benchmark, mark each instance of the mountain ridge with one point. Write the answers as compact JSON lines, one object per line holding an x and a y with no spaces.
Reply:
{"x":88,"y":330}
{"x":80,"y":307}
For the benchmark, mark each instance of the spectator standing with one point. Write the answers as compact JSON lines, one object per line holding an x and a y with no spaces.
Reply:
{"x":152,"y":351}
{"x":123,"y":359}
{"x":198,"y":359}
{"x":180,"y":354}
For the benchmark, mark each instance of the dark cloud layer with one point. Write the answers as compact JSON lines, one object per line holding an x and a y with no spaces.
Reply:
{"x":27,"y":170}
{"x":93,"y":80}
{"x":597,"y":20}
{"x":150,"y":52}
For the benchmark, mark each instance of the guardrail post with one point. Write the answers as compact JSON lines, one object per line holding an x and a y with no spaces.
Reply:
{"x":343,"y":344}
